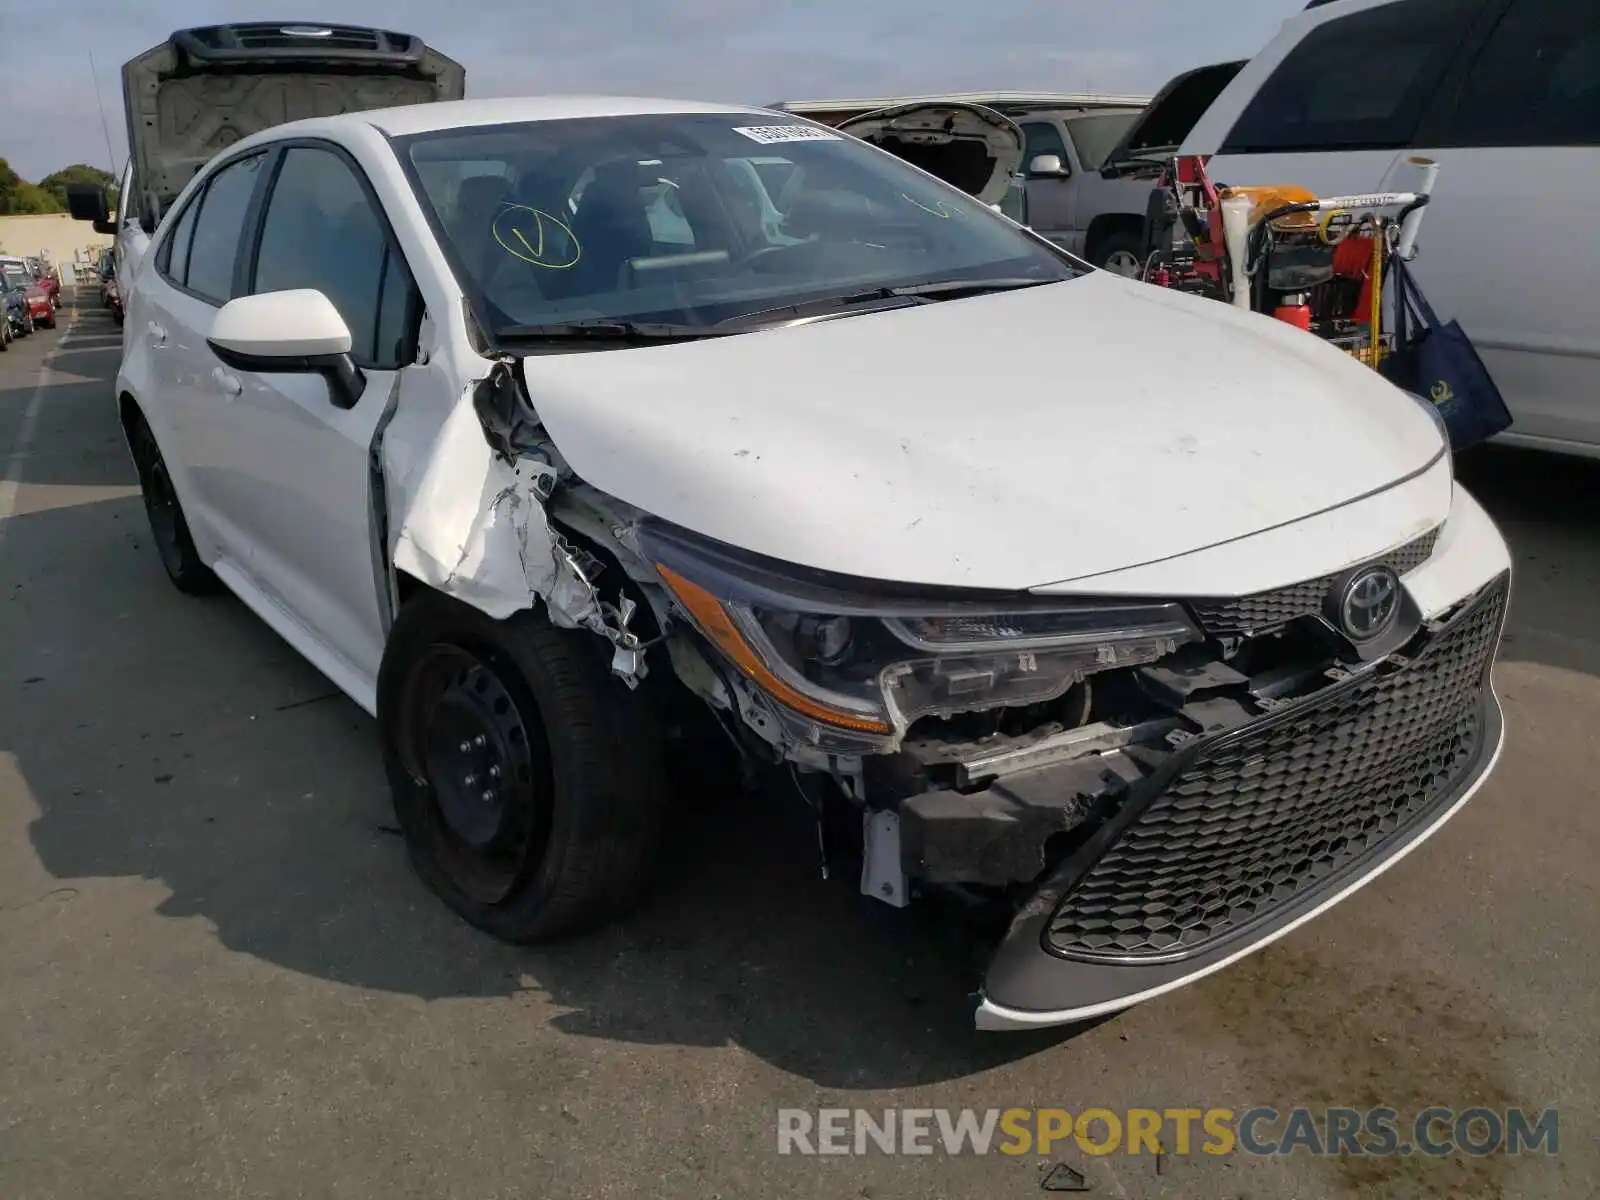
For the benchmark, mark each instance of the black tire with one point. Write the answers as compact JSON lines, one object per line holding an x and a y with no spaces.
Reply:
{"x":168,"y":526}
{"x":1121,"y":247}
{"x":527,"y":780}
{"x":5,"y":333}
{"x":50,"y":323}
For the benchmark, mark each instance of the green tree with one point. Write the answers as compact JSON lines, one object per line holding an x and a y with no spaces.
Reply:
{"x":55,"y":184}
{"x":17,"y":195}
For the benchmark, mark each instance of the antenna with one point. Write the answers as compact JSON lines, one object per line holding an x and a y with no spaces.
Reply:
{"x":105,"y":127}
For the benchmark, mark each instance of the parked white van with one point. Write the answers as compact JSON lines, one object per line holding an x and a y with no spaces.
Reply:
{"x":1505,"y":96}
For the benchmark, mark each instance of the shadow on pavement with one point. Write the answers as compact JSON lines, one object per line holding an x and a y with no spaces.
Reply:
{"x":180,"y":741}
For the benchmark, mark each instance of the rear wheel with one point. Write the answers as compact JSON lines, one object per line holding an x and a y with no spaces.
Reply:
{"x":527,"y":780}
{"x":5,"y":333}
{"x":167,"y":524}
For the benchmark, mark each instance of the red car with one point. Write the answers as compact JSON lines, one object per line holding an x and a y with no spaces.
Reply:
{"x":38,"y":274}
{"x":37,"y":309}
{"x":46,"y":279}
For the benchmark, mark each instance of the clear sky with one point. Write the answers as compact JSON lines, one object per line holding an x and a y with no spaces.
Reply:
{"x":755,"y":51}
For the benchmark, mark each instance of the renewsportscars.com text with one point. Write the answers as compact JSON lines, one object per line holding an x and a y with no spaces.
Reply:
{"x":1257,"y":1131}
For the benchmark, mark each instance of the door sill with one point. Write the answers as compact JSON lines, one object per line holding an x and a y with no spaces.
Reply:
{"x":349,"y":680}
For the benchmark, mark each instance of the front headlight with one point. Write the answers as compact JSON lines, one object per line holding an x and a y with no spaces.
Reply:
{"x":852,"y":658}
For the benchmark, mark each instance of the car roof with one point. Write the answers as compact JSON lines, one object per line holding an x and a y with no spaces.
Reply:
{"x":461,"y":114}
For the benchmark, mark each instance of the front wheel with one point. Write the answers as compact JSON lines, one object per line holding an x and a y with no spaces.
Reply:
{"x":527,"y":780}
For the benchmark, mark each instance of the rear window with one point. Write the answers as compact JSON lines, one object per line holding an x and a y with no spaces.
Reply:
{"x":1537,"y":80}
{"x":1359,"y":82}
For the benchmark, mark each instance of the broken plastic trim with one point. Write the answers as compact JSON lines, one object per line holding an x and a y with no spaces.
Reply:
{"x":477,"y":528}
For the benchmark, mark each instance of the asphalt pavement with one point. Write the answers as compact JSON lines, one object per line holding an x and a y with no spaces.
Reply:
{"x":219,"y":977}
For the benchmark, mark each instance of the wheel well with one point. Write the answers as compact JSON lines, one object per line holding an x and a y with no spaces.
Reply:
{"x":408,"y":586}
{"x":1107,"y":225}
{"x":128,"y":412}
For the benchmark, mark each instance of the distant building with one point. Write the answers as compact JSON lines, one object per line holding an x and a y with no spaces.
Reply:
{"x":55,"y":236}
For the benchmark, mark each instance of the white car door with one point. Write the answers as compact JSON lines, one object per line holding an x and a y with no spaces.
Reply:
{"x":1519,"y":165}
{"x":195,"y":271}
{"x":295,"y":448}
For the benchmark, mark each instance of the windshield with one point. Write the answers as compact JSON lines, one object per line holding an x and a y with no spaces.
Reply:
{"x":1097,"y":136}
{"x":696,"y":220}
{"x":17,"y":279}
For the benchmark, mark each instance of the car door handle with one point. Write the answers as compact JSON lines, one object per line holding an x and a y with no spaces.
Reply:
{"x":228,"y":382}
{"x":157,"y":334}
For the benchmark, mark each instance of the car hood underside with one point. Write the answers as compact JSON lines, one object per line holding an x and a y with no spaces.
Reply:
{"x":1095,"y":425}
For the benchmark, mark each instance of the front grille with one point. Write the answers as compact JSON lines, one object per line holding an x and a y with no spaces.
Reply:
{"x":1268,"y":610}
{"x":1262,"y":816}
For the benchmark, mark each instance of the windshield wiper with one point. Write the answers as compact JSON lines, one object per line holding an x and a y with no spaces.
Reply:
{"x":945,"y":288}
{"x":604,"y":330}
{"x":884,"y":297}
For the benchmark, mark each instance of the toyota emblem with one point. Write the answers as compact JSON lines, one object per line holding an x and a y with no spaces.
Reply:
{"x":1369,"y":603}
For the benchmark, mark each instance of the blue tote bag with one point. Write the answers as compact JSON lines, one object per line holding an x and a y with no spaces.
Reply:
{"x":1437,"y":361}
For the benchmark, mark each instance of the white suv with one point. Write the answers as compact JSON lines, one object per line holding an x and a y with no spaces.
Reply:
{"x":1505,"y":96}
{"x":1146,"y":664}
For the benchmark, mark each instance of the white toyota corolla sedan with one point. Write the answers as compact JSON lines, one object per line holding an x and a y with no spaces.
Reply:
{"x":563,"y":433}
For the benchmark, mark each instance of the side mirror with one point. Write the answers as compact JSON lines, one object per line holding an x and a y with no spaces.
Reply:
{"x":295,"y":332}
{"x":1048,"y":166}
{"x":89,"y":202}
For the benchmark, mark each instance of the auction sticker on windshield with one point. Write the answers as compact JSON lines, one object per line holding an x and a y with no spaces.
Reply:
{"x":769,"y":135}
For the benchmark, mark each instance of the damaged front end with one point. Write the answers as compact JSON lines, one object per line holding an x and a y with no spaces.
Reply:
{"x":479,"y":527}
{"x":1122,"y":792}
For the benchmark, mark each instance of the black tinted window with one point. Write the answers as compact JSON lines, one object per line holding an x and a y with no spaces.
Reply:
{"x":321,"y":232}
{"x":394,"y":313}
{"x":1042,"y":137}
{"x":1537,"y":80}
{"x":175,"y":251}
{"x":1356,"y":82}
{"x":219,"y":229}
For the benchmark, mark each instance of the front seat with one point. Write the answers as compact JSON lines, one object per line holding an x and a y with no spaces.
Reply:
{"x":478,"y":202}
{"x":611,"y":226}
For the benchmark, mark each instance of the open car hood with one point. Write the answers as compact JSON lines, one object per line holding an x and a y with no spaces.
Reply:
{"x":968,"y":145}
{"x":205,"y":88}
{"x":1176,"y":109}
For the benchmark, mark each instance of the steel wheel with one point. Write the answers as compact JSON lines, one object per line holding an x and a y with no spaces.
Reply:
{"x":472,"y":736}
{"x":1125,"y":263}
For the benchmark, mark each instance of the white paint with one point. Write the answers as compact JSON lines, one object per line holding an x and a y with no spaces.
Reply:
{"x":12,"y":483}
{"x":1526,"y":301}
{"x":995,"y":1017}
{"x":292,"y":324}
{"x":1090,"y":426}
{"x":882,"y":876}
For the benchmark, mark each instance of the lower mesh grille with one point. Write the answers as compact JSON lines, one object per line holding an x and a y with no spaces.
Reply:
{"x":1259,"y":818}
{"x":1267,"y":610}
